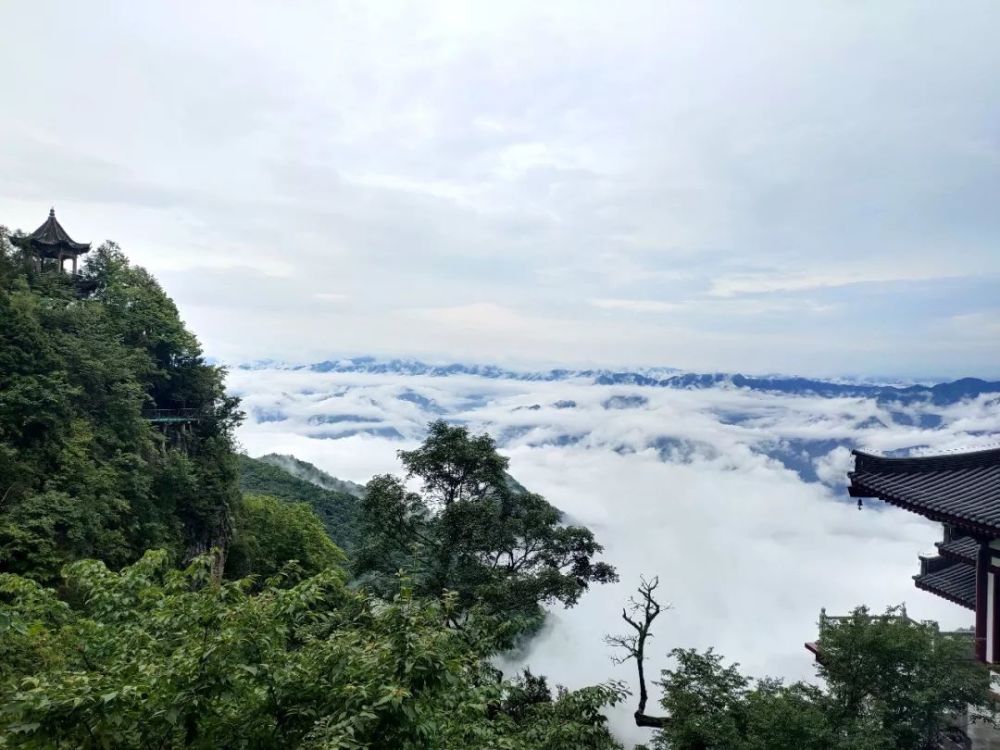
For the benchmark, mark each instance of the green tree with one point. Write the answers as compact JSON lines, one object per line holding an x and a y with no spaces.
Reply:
{"x":336,"y":509}
{"x":158,"y":657}
{"x":788,"y":717}
{"x":705,"y":700}
{"x":82,"y":473}
{"x":713,"y":705}
{"x":891,"y":684}
{"x":899,"y":677}
{"x":269,"y":533}
{"x":473,"y":531}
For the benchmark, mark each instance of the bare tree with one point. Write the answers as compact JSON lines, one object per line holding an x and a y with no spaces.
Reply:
{"x":640,"y":614}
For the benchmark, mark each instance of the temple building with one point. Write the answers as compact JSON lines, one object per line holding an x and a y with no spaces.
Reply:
{"x":50,"y":245}
{"x":962,"y":492}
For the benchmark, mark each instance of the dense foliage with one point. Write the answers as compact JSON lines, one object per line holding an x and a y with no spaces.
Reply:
{"x":473,"y":532}
{"x":890,"y":684}
{"x":312,"y":474}
{"x":898,"y":678}
{"x":269,"y":533}
{"x":156,"y":657}
{"x":82,"y":473}
{"x":336,"y":509}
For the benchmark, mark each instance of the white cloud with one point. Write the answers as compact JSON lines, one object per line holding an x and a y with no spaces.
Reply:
{"x":698,"y":487}
{"x":461,"y":194}
{"x":981,"y":326}
{"x":833,"y":467}
{"x":331,"y":296}
{"x":635,"y":305}
{"x":765,"y":283}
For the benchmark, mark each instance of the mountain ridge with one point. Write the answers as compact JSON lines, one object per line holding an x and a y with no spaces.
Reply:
{"x":312,"y":474}
{"x":940,"y":393}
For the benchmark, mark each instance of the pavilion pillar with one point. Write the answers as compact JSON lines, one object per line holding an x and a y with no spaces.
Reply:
{"x":74,"y":265}
{"x":982,"y":599}
{"x":995,"y":625}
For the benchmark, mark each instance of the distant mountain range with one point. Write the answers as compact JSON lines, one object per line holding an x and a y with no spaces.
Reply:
{"x":663,"y":377}
{"x":377,"y":366}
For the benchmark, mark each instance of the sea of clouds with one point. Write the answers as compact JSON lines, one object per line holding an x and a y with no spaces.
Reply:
{"x":736,"y":499}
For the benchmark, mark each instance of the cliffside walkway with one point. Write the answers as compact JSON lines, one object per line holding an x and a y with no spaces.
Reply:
{"x":173,"y":416}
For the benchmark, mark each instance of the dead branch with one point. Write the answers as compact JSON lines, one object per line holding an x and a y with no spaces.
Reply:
{"x":640,"y":614}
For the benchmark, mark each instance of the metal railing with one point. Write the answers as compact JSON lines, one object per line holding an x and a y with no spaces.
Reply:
{"x":173,"y":415}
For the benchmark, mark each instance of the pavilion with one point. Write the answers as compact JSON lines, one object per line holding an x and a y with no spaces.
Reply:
{"x":51,"y":242}
{"x":962,"y":492}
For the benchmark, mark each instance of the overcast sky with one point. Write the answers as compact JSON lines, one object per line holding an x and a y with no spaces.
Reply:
{"x":797,"y":187}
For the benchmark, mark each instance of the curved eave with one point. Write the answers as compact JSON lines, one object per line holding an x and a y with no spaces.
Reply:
{"x":50,"y":248}
{"x":73,"y":247}
{"x":963,"y":551}
{"x":931,"y":589}
{"x":813,"y":648}
{"x":858,"y":489}
{"x":948,"y":554}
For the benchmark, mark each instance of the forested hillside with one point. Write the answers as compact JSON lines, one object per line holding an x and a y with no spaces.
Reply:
{"x":337,"y":510}
{"x":82,"y":472}
{"x":313,"y":474}
{"x":124,"y":510}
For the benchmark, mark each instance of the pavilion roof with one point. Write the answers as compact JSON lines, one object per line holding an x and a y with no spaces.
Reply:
{"x":964,"y":550}
{"x":962,"y":489}
{"x":956,"y":583}
{"x":51,"y":237}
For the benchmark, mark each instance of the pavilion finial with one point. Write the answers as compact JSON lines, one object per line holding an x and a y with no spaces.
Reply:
{"x":52,"y":212}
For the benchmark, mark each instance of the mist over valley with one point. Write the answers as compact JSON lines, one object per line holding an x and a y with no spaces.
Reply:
{"x":734,"y":496}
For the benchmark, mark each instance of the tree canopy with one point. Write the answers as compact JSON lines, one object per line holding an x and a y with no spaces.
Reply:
{"x":471,"y":530}
{"x":269,"y":533}
{"x":890,"y":683}
{"x":336,"y":509}
{"x":82,"y":473}
{"x":159,"y":657}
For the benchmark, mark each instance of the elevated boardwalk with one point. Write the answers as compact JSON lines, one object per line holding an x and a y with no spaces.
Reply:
{"x":173,"y":416}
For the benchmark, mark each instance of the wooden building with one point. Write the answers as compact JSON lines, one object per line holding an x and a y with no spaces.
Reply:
{"x":962,"y":492}
{"x":50,"y":245}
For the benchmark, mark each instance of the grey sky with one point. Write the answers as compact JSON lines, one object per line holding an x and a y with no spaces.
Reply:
{"x":787,"y":186}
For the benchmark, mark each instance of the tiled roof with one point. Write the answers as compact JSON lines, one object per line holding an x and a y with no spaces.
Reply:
{"x":965,"y":549}
{"x":960,"y":488}
{"x":956,"y":583}
{"x":51,"y":235}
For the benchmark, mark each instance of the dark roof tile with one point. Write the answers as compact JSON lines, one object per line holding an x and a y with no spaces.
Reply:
{"x":964,"y":549}
{"x":961,"y":488}
{"x":51,"y":236}
{"x":956,"y":583}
